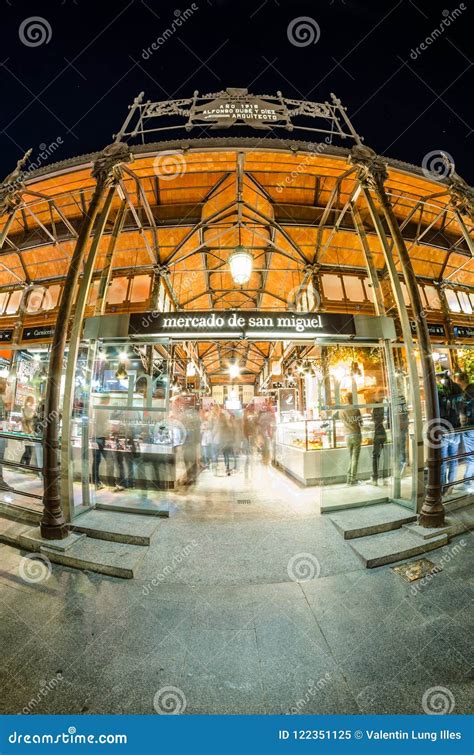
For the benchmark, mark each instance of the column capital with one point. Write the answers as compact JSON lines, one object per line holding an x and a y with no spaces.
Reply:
{"x":106,"y":167}
{"x":371,"y":168}
{"x":11,"y":188}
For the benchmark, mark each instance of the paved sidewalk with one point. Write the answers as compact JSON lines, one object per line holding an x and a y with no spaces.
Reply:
{"x":256,"y":607}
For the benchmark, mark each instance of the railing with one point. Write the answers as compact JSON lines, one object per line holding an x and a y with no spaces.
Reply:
{"x":8,"y":463}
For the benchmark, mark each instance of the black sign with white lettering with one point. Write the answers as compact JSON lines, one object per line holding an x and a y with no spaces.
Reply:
{"x":241,"y":324}
{"x":463,"y":331}
{"x":6,"y":335}
{"x":434,"y":328}
{"x":38,"y":333}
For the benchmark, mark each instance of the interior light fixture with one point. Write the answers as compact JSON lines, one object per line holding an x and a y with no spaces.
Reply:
{"x":234,"y":370}
{"x":241,"y":264}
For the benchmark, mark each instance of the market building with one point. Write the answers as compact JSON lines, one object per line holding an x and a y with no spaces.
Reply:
{"x":178,"y":308}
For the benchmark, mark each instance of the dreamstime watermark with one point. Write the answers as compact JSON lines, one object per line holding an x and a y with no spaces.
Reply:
{"x":169,"y":165}
{"x":35,"y":31}
{"x":304,"y":298}
{"x":35,"y":568}
{"x":290,"y":177}
{"x":44,"y":690}
{"x":303,"y":31}
{"x":445,"y":559}
{"x":180,"y":18}
{"x":435,"y":430}
{"x":448,"y":18}
{"x":437,"y":165}
{"x":177,"y":559}
{"x":438,"y":701}
{"x":45,"y":151}
{"x":303,"y":567}
{"x":313,"y":688}
{"x":170,"y":701}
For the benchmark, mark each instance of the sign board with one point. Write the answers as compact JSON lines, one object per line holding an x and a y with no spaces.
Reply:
{"x":6,"y":336}
{"x":434,"y":329}
{"x":38,"y":333}
{"x":287,"y":400}
{"x":241,"y":324}
{"x":463,"y":331}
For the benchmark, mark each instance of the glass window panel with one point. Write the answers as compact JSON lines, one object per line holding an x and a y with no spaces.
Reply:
{"x":406,"y":297}
{"x":432,"y":297}
{"x":354,"y":288}
{"x":140,"y":288}
{"x":35,"y":299}
{"x":332,"y":287}
{"x":51,"y":298}
{"x":424,"y":302}
{"x":117,"y":291}
{"x":465,"y":303}
{"x":14,"y":302}
{"x":369,"y":290}
{"x":453,"y":301}
{"x":3,"y":301}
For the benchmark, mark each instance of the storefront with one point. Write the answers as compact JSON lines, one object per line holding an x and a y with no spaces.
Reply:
{"x":303,"y":289}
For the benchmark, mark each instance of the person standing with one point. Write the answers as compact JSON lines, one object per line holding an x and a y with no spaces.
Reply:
{"x":3,"y":427}
{"x":101,"y":433}
{"x":27,"y":426}
{"x":380,"y":436}
{"x":450,"y":403}
{"x":352,"y":421}
{"x":467,"y":424}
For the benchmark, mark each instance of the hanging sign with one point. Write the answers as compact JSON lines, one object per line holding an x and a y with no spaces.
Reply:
{"x":38,"y":333}
{"x":241,"y":324}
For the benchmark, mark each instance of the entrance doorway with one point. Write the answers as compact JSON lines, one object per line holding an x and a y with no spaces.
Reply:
{"x":327,"y":421}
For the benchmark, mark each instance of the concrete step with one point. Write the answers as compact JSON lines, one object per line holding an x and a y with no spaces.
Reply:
{"x":398,"y":545}
{"x":329,"y":507}
{"x":19,"y":513}
{"x":104,"y":557}
{"x":371,"y":520}
{"x":77,"y":551}
{"x":116,"y":526}
{"x":456,"y":522}
{"x":148,"y":508}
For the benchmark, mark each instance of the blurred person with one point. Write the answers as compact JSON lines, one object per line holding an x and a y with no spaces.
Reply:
{"x":206,"y":441}
{"x":380,"y":436}
{"x":352,"y":422}
{"x":3,"y":427}
{"x":227,"y":440}
{"x":27,"y":427}
{"x":450,"y":399}
{"x":466,"y":416}
{"x":191,"y":444}
{"x":101,"y":432}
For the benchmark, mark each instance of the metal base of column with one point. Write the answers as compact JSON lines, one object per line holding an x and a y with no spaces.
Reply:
{"x":432,"y":517}
{"x":54,"y":528}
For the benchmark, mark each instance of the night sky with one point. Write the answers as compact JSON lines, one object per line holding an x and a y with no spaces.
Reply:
{"x":75,"y":88}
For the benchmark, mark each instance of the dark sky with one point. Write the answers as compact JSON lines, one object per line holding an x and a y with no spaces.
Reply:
{"x":77,"y":85}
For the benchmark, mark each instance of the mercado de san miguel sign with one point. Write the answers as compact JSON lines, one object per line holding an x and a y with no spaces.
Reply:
{"x":242,"y":324}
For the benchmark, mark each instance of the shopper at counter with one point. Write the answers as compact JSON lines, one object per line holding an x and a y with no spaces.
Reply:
{"x":352,"y":421}
{"x":467,"y":424}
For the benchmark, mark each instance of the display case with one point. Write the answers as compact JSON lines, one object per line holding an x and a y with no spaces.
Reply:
{"x":314,"y":452}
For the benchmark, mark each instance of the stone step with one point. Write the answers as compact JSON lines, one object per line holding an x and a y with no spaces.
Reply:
{"x":148,"y":508}
{"x":456,"y":522}
{"x":77,"y":551}
{"x":398,"y":545}
{"x":19,"y":513}
{"x":371,"y":520}
{"x":104,"y":557}
{"x":344,"y":505}
{"x":116,"y":526}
